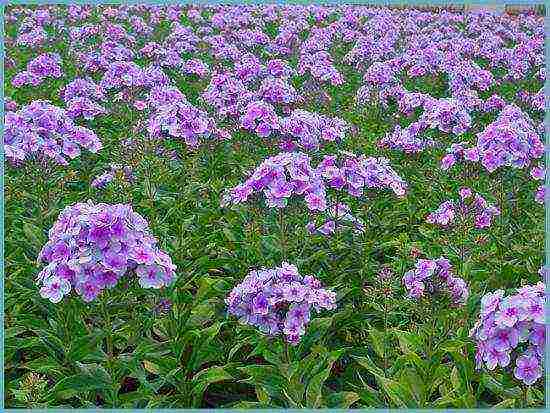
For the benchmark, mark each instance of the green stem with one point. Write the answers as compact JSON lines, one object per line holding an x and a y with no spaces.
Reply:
{"x":108,"y":326}
{"x":283,"y":237}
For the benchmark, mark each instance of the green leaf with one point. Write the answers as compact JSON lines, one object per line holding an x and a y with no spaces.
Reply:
{"x":86,"y":348}
{"x":378,"y":341}
{"x":267,"y":377}
{"x":314,"y":394}
{"x":73,"y":385}
{"x":366,"y":362}
{"x":408,"y":342}
{"x":498,"y":388}
{"x":505,"y":404}
{"x":208,"y":376}
{"x":412,"y":381}
{"x":398,"y":394}
{"x":341,"y":400}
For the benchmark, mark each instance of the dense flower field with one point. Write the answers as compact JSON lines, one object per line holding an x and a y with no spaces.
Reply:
{"x":273,"y":206}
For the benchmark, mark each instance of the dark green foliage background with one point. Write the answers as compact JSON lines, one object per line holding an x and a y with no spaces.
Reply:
{"x":377,"y":349}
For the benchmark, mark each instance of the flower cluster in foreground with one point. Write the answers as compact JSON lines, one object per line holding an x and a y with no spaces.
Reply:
{"x":91,"y":246}
{"x":279,"y":300}
{"x":512,"y":326}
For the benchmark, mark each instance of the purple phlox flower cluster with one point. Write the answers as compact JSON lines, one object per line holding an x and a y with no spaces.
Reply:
{"x":339,"y":217}
{"x":82,"y":106}
{"x":248,"y":68}
{"x":182,"y":120}
{"x":279,"y":301}
{"x":279,"y":178}
{"x":108,"y":176}
{"x":511,"y":140}
{"x":91,"y":246}
{"x":470,"y":205}
{"x":195,"y":67}
{"x":494,"y":103}
{"x":311,"y":128}
{"x":512,"y":327}
{"x":379,"y":73}
{"x":459,"y":151}
{"x":275,"y":90}
{"x":354,"y":174}
{"x":227,"y":95}
{"x":408,"y":139}
{"x":448,"y":115}
{"x":165,"y":95}
{"x":41,"y":67}
{"x":41,"y":129}
{"x":261,"y":118}
{"x":279,"y":68}
{"x":435,"y":277}
{"x":129,"y":74}
{"x":10,"y":105}
{"x":32,"y":37}
{"x":320,"y":66}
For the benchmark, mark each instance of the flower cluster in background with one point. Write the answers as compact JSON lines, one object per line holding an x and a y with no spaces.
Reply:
{"x":471,"y":206}
{"x":430,"y":277}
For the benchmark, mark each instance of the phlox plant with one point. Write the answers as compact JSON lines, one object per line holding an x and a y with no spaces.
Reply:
{"x":354,"y":144}
{"x":41,"y":129}
{"x":92,"y":246}
{"x":510,"y":332}
{"x":279,"y":301}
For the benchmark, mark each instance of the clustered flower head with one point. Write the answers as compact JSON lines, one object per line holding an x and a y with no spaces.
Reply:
{"x":448,"y":115}
{"x":261,"y":118}
{"x":470,"y":205}
{"x":408,"y":139}
{"x":41,"y":67}
{"x":512,"y":327}
{"x":279,"y":301}
{"x":227,"y":95}
{"x":311,"y":128}
{"x":182,"y":120}
{"x":354,"y":174}
{"x":277,"y":91}
{"x":42,"y":129}
{"x":279,"y":177}
{"x":435,"y":277}
{"x":511,"y":140}
{"x":92,"y":246}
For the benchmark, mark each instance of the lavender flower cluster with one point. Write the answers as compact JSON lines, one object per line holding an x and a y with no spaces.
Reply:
{"x":279,"y":301}
{"x":92,"y":246}
{"x":512,"y":327}
{"x":310,"y":129}
{"x":511,"y":140}
{"x":41,"y":67}
{"x":42,"y":129}
{"x":280,"y":177}
{"x":355,"y":173}
{"x":435,"y":277}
